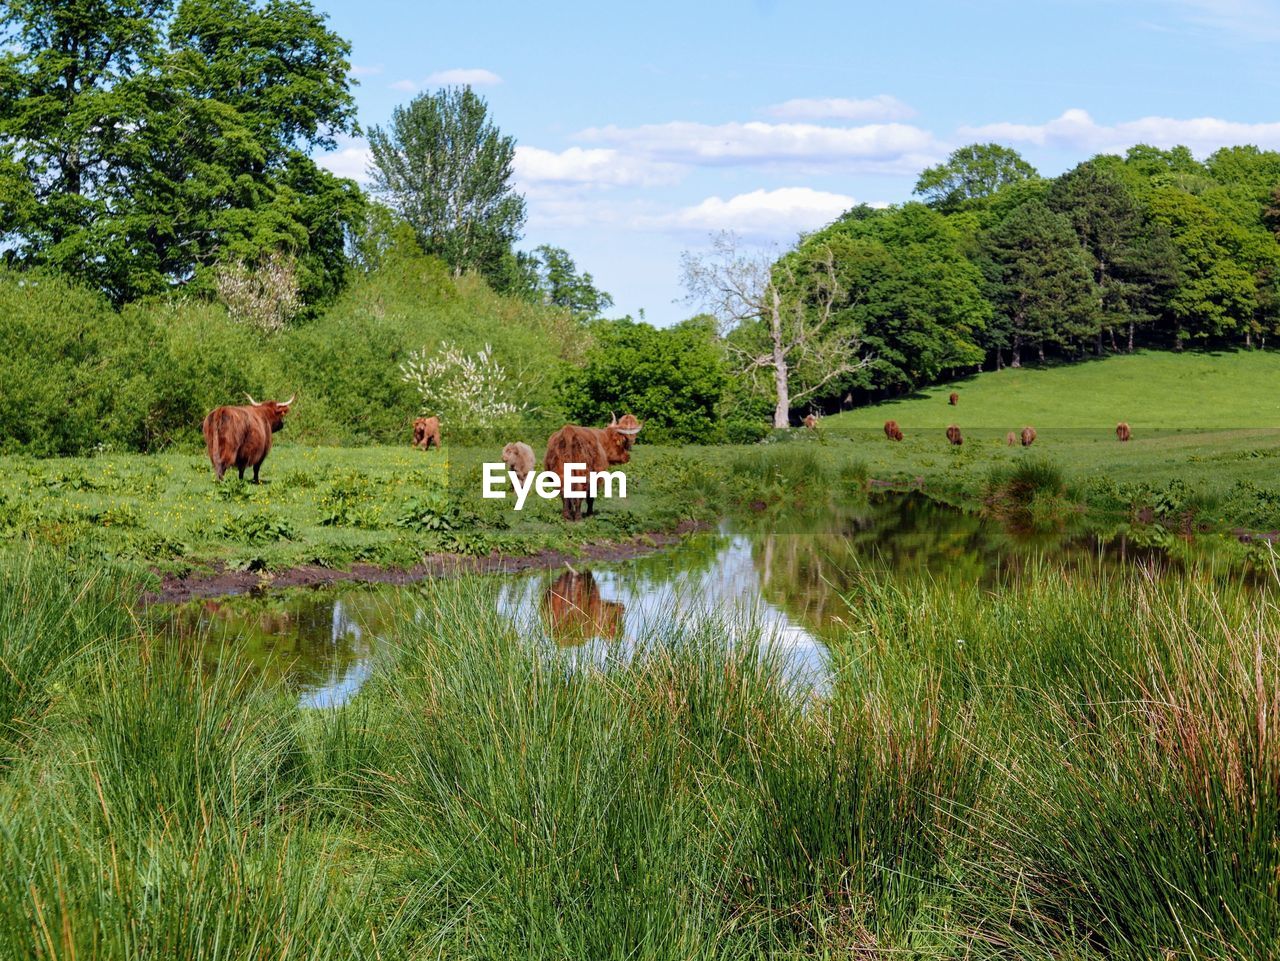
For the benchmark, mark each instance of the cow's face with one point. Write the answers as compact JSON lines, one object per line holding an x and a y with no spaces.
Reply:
{"x":621,"y":435}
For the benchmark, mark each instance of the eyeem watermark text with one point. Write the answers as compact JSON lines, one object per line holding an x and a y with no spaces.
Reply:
{"x":579,"y":483}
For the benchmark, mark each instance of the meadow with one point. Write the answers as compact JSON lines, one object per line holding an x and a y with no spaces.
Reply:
{"x":1076,"y":766}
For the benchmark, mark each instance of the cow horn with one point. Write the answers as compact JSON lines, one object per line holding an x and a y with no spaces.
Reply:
{"x":251,"y":400}
{"x":629,"y":431}
{"x":614,"y":415}
{"x":289,"y":402}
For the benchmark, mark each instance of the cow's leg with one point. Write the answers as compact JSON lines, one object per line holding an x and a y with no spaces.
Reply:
{"x":591,"y":505}
{"x":218,"y":471}
{"x":255,"y":472}
{"x":566,"y":508}
{"x":240,"y":470}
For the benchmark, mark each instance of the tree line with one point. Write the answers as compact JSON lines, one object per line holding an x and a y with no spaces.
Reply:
{"x":997,"y":266}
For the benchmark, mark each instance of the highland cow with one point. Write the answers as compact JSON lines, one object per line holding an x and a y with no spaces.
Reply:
{"x":426,"y":431}
{"x":954,"y":436}
{"x":576,"y":613}
{"x":597,"y":448}
{"x":1122,"y":432}
{"x":892,"y":430}
{"x":1028,"y":436}
{"x":240,"y":437}
{"x":811,"y":421}
{"x":953,"y":399}
{"x":1011,"y":438}
{"x":518,"y":457}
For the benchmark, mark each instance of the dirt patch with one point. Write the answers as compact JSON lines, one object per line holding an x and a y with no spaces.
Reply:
{"x":175,"y":589}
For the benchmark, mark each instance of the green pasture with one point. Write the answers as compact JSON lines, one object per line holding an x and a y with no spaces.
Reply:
{"x":1148,"y":390}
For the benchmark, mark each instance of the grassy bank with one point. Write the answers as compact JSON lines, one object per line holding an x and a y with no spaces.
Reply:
{"x":1075,"y":767}
{"x":335,"y":507}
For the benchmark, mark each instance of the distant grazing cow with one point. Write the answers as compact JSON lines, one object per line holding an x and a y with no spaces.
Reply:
{"x":811,"y":421}
{"x":426,"y":431}
{"x":953,"y":399}
{"x":954,"y":436}
{"x":1011,"y":438}
{"x":892,"y":430}
{"x":1028,"y":436}
{"x":518,"y":457}
{"x":1122,"y":432}
{"x":240,"y":437}
{"x":576,"y":613}
{"x":598,"y":448}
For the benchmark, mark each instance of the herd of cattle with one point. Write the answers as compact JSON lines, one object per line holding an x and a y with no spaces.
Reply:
{"x":240,"y":437}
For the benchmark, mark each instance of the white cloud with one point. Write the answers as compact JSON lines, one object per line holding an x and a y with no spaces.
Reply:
{"x":351,"y":159}
{"x":882,"y":107}
{"x":407,"y":86}
{"x":760,"y":213}
{"x":872,"y":148}
{"x":589,"y":167}
{"x":1076,"y":130}
{"x":458,"y":77}
{"x":359,"y":70}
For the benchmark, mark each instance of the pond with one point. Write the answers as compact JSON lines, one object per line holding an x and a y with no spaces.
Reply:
{"x":784,"y":580}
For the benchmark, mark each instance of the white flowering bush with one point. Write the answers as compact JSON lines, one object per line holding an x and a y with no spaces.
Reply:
{"x":266,"y":296}
{"x":471,"y":390}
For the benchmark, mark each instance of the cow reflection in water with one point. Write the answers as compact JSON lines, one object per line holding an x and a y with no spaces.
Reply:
{"x":575,"y":612}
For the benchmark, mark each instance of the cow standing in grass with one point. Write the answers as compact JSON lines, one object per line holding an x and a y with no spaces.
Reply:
{"x":811,"y":421}
{"x":518,"y":457}
{"x":892,"y":430}
{"x":240,"y":437}
{"x":1122,"y":432}
{"x":954,"y":437}
{"x":426,"y":431}
{"x":1028,"y":436}
{"x":597,"y":448}
{"x":953,"y":399}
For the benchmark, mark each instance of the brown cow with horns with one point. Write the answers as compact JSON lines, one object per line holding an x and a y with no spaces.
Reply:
{"x":240,"y":437}
{"x":597,"y":448}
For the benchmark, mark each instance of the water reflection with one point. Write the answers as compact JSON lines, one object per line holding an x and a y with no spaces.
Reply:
{"x":782,"y":579}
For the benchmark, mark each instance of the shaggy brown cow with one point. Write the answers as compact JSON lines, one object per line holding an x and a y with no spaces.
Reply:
{"x":954,"y":436}
{"x":598,"y":448}
{"x":426,"y":431}
{"x":1011,"y":438}
{"x":892,"y":430}
{"x":1122,"y":432}
{"x":518,"y":457}
{"x":1028,"y":436}
{"x":575,"y":612}
{"x":811,"y":421}
{"x":953,"y":399}
{"x":240,"y":437}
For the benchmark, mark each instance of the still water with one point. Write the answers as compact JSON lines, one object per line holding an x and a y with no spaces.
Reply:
{"x":784,"y":581}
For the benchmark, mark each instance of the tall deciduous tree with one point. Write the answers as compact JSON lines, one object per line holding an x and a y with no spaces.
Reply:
{"x":558,"y":282}
{"x":972,"y":173}
{"x":1040,"y":282}
{"x":144,"y":141}
{"x":444,"y":167}
{"x":790,"y":303}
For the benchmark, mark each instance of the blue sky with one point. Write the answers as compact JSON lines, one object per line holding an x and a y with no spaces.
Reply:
{"x":641,"y":128}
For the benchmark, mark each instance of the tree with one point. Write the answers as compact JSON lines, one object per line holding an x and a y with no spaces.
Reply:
{"x":444,"y":168}
{"x":1039,"y":282}
{"x":672,"y":379}
{"x":909,"y":290}
{"x":1216,"y":292}
{"x":972,"y":173}
{"x":153,"y":139}
{"x":1133,"y":262}
{"x":789,"y":303}
{"x":558,"y":283}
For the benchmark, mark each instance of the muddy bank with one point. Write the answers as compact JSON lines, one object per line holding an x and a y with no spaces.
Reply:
{"x":175,"y":589}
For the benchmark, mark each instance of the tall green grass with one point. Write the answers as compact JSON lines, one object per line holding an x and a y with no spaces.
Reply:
{"x":1081,"y":764}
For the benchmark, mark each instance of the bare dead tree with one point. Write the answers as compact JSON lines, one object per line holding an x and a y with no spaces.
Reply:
{"x":796,"y":297}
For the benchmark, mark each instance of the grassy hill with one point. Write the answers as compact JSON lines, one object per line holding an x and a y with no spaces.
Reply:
{"x":1148,"y":390}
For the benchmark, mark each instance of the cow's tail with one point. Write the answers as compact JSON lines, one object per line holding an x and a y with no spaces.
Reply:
{"x":218,"y":428}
